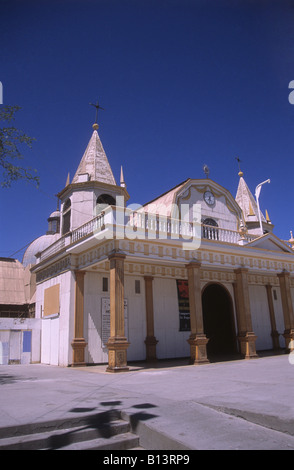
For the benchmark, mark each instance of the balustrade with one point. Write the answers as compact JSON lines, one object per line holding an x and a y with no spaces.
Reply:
{"x":152,"y":226}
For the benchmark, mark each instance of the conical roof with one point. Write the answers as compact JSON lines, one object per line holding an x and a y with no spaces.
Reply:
{"x":247,"y":202}
{"x":94,"y":162}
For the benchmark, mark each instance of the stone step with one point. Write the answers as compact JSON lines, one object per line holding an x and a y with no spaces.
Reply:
{"x":93,"y":419}
{"x":125,"y":441}
{"x":101,"y":431}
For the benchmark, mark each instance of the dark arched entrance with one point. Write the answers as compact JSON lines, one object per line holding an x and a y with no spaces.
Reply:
{"x":218,"y":321}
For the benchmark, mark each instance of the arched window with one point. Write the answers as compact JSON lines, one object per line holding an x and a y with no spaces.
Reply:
{"x":103,"y":201}
{"x":208,"y":230}
{"x":66,"y":217}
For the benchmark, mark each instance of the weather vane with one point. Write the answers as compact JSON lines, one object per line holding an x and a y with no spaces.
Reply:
{"x":239,"y":161}
{"x":206,"y":170}
{"x":97,"y":106}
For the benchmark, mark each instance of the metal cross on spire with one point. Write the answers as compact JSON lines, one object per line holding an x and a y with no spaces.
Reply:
{"x":239,"y":161}
{"x":240,"y":171}
{"x":97,"y":106}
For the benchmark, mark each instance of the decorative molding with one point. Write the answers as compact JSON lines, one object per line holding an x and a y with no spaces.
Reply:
{"x":54,"y":270}
{"x":155,"y":258}
{"x":202,"y":188}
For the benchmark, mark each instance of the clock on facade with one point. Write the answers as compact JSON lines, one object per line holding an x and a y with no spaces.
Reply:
{"x":209,"y":198}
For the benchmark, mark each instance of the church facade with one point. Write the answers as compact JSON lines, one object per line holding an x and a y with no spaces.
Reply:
{"x":194,"y":273}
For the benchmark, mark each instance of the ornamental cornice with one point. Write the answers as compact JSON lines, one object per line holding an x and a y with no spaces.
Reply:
{"x":54,"y":269}
{"x":140,"y":251}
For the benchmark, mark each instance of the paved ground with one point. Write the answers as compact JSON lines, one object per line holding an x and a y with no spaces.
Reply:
{"x":226,"y":405}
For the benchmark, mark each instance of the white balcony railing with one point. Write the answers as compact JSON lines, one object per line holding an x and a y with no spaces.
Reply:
{"x":119,"y":222}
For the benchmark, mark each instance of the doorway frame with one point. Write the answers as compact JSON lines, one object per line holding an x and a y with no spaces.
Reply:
{"x":233,"y":319}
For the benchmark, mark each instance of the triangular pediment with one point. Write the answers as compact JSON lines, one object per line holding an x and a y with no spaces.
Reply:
{"x":270,"y":242}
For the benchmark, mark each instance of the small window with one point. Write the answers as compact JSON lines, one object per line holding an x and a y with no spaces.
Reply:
{"x":208,"y":229}
{"x":137,"y":287}
{"x":66,"y":217}
{"x":275,"y":294}
{"x":210,"y":222}
{"x":105,"y":284}
{"x":103,"y":201}
{"x":106,"y":199}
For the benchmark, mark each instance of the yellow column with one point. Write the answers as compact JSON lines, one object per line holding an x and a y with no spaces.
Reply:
{"x":150,"y":340}
{"x":198,"y":339}
{"x":287,"y":304}
{"x":78,"y":344}
{"x":246,"y":336}
{"x":274,"y":333}
{"x":117,"y":344}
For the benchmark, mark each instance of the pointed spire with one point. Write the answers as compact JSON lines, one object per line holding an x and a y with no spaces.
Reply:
{"x":94,"y":165}
{"x":250,"y":209}
{"x":122,"y":181}
{"x":67,"y":180}
{"x":267,"y":217}
{"x":246,"y":201}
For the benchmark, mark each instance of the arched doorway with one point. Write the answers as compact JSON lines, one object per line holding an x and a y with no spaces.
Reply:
{"x":218,"y":321}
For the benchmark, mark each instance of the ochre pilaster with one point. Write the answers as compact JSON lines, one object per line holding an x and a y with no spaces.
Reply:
{"x":284,"y":279}
{"x":274,"y":332}
{"x":78,"y":344}
{"x":246,"y":336}
{"x":150,"y":340}
{"x":117,"y":344}
{"x":198,"y":339}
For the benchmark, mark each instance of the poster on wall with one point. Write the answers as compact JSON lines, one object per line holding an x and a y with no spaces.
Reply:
{"x":105,"y":320}
{"x":184,"y":307}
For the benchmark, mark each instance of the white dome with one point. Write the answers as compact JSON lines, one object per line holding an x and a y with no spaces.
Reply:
{"x":38,"y":245}
{"x":55,"y":214}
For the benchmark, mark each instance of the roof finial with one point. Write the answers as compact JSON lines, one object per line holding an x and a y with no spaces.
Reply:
{"x":267,"y":218}
{"x":291,"y":241}
{"x":67,"y":180}
{"x":239,"y":161}
{"x":97,"y":106}
{"x":122,"y":180}
{"x":206,"y":170}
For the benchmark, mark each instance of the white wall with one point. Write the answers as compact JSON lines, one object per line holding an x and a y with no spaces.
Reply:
{"x":136,"y":318}
{"x":82,"y":207}
{"x":219,"y":211}
{"x":136,"y":330}
{"x":57,"y":330}
{"x":260,"y":317}
{"x":11,"y":340}
{"x":93,"y":295}
{"x":171,"y":341}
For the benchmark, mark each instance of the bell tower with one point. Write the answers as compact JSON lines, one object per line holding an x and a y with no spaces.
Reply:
{"x":92,"y":188}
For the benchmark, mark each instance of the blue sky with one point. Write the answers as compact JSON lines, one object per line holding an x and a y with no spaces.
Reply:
{"x":183,"y":83}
